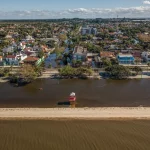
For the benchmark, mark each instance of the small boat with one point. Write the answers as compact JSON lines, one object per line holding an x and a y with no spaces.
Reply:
{"x":72,"y":97}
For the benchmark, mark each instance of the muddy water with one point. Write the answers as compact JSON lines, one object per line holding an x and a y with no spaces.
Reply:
{"x":90,"y":93}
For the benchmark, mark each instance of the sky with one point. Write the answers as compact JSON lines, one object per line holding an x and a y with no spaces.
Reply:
{"x":47,"y":9}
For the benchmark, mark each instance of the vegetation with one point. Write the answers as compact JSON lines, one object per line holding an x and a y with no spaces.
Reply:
{"x":4,"y":72}
{"x":118,"y":72}
{"x":26,"y":74}
{"x":137,"y":70}
{"x":75,"y":72}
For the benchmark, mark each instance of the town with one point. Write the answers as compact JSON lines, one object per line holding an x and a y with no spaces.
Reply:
{"x":111,"y":48}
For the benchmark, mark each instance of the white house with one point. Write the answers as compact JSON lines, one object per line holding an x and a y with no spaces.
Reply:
{"x":146,"y":56}
{"x":21,"y":57}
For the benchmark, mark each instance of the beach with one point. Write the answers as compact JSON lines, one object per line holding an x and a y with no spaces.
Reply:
{"x":77,"y":113}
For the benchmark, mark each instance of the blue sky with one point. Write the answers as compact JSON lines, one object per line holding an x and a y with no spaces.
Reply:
{"x":32,"y":9}
{"x":65,"y":4}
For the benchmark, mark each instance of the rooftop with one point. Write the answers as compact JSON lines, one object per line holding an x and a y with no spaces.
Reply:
{"x":125,"y":55}
{"x":107,"y":54}
{"x":10,"y":56}
{"x":31,"y":59}
{"x":80,"y":50}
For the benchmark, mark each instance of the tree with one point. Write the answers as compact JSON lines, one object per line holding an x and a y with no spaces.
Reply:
{"x":148,"y":64}
{"x":137,"y":69}
{"x":118,"y":72}
{"x":76,"y":63}
{"x":40,"y":54}
{"x":4,"y":72}
{"x":70,"y":72}
{"x":28,"y":73}
{"x":67,"y":71}
{"x":62,"y":37}
{"x":106,"y":62}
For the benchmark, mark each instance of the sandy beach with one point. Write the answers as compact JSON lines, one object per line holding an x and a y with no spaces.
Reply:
{"x":76,"y":113}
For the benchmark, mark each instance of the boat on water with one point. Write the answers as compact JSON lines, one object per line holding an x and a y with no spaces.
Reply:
{"x":72,"y":97}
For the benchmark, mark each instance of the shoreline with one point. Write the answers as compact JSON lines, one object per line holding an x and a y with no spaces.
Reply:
{"x":4,"y":79}
{"x":102,"y":113}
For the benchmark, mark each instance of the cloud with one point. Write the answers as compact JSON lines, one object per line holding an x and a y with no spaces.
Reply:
{"x":146,"y":2}
{"x":142,"y":11}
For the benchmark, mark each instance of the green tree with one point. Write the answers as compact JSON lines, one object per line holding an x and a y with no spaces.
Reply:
{"x":118,"y":72}
{"x":40,"y":54}
{"x":137,"y":69}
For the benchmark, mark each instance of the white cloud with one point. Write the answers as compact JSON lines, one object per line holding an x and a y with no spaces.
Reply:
{"x":146,"y":2}
{"x":142,"y":11}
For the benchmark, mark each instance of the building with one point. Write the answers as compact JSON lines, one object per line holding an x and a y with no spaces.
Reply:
{"x":125,"y":58}
{"x":90,"y":56}
{"x":11,"y":60}
{"x":33,"y":60}
{"x":79,"y":53}
{"x":9,"y":49}
{"x":146,"y":56}
{"x":107,"y":54}
{"x":88,"y":30}
{"x":94,"y":31}
{"x":21,"y":56}
{"x":98,"y":62}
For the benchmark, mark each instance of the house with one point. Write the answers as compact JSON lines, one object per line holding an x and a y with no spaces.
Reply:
{"x":91,"y":56}
{"x":21,"y":56}
{"x":146,"y":56}
{"x":105,"y":54}
{"x":79,"y":53}
{"x":11,"y":60}
{"x":125,"y":58}
{"x":9,"y":49}
{"x":98,"y":61}
{"x":138,"y":56}
{"x":33,"y":60}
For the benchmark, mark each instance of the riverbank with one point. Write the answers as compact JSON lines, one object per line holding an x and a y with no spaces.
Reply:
{"x":76,"y":113}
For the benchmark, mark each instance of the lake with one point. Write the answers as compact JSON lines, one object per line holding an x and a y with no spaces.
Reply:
{"x":90,"y":93}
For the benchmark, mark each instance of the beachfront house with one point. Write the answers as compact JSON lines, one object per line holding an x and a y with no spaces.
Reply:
{"x":35,"y":61}
{"x":11,"y":60}
{"x":125,"y":58}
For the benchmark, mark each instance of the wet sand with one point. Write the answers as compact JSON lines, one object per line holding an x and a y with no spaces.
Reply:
{"x":74,"y":135}
{"x":78,"y":113}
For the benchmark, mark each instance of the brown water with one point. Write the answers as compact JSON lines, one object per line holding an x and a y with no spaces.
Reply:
{"x":90,"y":93}
{"x":74,"y":135}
